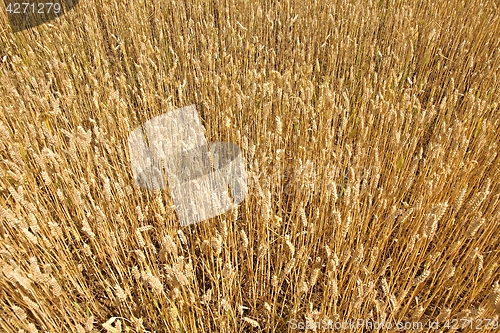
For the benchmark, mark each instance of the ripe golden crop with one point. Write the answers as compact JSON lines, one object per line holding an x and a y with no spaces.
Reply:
{"x":370,"y":132}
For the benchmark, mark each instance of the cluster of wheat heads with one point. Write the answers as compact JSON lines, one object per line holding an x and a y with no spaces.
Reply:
{"x":370,"y":131}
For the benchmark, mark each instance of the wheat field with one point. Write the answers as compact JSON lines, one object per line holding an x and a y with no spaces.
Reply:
{"x":370,"y":132}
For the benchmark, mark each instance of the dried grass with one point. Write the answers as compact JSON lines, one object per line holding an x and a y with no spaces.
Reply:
{"x":370,"y":131}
